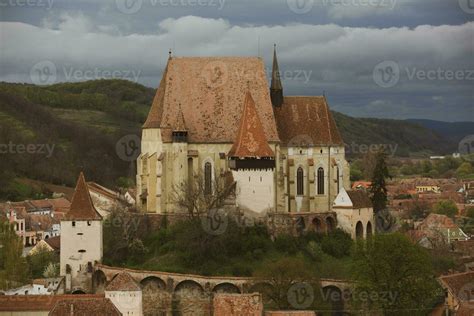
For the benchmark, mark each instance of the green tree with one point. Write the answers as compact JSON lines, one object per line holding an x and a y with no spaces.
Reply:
{"x":394,"y":276}
{"x":13,"y":267}
{"x":446,"y":207}
{"x":464,"y":169}
{"x":378,"y":188}
{"x":470,"y":212}
{"x":287,"y":276}
{"x":41,"y":260}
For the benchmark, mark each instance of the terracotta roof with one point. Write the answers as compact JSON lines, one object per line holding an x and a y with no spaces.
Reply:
{"x":458,"y":284}
{"x":250,"y":140}
{"x":306,"y":121}
{"x":54,"y":242}
{"x":465,"y":309}
{"x":23,"y":303}
{"x":359,"y":199}
{"x":102,"y":190}
{"x":82,"y":207}
{"x":123,"y":282}
{"x":437,"y":221}
{"x":209,"y":90}
{"x":363,"y":184}
{"x":84,"y":306}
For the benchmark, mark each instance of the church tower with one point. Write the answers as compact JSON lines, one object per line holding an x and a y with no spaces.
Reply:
{"x":81,"y":240}
{"x":276,"y":88}
{"x":252,"y":163}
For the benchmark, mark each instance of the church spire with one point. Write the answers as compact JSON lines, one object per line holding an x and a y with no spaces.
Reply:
{"x":276,"y":88}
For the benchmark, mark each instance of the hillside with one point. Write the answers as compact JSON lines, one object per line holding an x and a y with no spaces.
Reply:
{"x":454,"y":131}
{"x":81,"y":123}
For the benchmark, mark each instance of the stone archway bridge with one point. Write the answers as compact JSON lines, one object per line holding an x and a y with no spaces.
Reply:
{"x":172,"y":281}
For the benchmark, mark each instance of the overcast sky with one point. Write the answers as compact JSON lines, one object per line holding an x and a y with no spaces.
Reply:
{"x":372,"y":58}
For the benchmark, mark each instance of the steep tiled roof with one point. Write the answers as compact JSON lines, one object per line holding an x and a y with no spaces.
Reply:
{"x":84,"y":306}
{"x":54,"y":242}
{"x":458,"y":284}
{"x":306,"y":121}
{"x":82,"y":207}
{"x":123,"y":282}
{"x":210,"y":92}
{"x":24,"y":303}
{"x":250,"y":140}
{"x":359,"y":199}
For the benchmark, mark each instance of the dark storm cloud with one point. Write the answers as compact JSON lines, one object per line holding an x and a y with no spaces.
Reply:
{"x":383,"y":58}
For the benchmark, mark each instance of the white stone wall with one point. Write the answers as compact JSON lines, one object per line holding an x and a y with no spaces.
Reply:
{"x":348,"y":216}
{"x":127,"y":302}
{"x":255,"y":190}
{"x":85,"y":235}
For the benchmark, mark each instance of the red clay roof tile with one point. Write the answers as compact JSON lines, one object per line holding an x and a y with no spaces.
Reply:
{"x":210,"y":92}
{"x":306,"y":121}
{"x":82,"y":207}
{"x":251,"y":140}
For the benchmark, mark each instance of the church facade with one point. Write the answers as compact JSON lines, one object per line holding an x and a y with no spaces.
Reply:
{"x":215,"y":117}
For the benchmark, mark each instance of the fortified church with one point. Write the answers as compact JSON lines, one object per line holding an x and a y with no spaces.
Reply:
{"x":217,"y":116}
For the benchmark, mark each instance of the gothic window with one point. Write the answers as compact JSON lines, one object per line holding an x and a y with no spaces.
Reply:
{"x":337,"y":179}
{"x":208,"y":178}
{"x":320,"y":180}
{"x":299,"y":181}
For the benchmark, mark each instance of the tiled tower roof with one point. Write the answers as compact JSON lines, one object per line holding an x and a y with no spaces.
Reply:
{"x":251,"y":140}
{"x":82,"y":207}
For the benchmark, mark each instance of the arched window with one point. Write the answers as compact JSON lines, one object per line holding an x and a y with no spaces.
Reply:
{"x":320,"y":180}
{"x":208,"y":178}
{"x":337,"y":179}
{"x":299,"y":181}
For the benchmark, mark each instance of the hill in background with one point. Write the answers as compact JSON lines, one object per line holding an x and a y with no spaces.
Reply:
{"x":84,"y":121}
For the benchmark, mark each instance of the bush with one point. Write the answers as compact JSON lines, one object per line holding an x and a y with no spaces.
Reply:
{"x":446,"y":207}
{"x":337,"y":244}
{"x":286,"y":244}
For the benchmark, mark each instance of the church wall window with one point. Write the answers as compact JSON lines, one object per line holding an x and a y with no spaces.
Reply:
{"x":207,"y":178}
{"x":300,"y":181}
{"x":320,"y":180}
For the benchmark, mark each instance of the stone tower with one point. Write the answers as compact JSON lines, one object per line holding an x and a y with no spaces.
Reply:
{"x":81,"y":240}
{"x":252,"y":163}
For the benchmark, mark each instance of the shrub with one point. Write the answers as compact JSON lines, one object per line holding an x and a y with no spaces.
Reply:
{"x":337,"y":244}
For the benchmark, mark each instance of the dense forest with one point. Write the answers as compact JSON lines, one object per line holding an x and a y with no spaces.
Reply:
{"x":75,"y":126}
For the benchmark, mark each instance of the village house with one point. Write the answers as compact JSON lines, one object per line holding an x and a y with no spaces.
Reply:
{"x":60,"y":305}
{"x":215,"y":116}
{"x":125,"y":294}
{"x":355,"y":213}
{"x":437,"y":230}
{"x":459,"y":288}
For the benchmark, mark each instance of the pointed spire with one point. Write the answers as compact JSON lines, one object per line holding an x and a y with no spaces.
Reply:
{"x":82,"y":207}
{"x":276,"y":88}
{"x":251,"y":141}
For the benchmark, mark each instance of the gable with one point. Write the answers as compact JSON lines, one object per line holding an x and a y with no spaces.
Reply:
{"x":210,"y":93}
